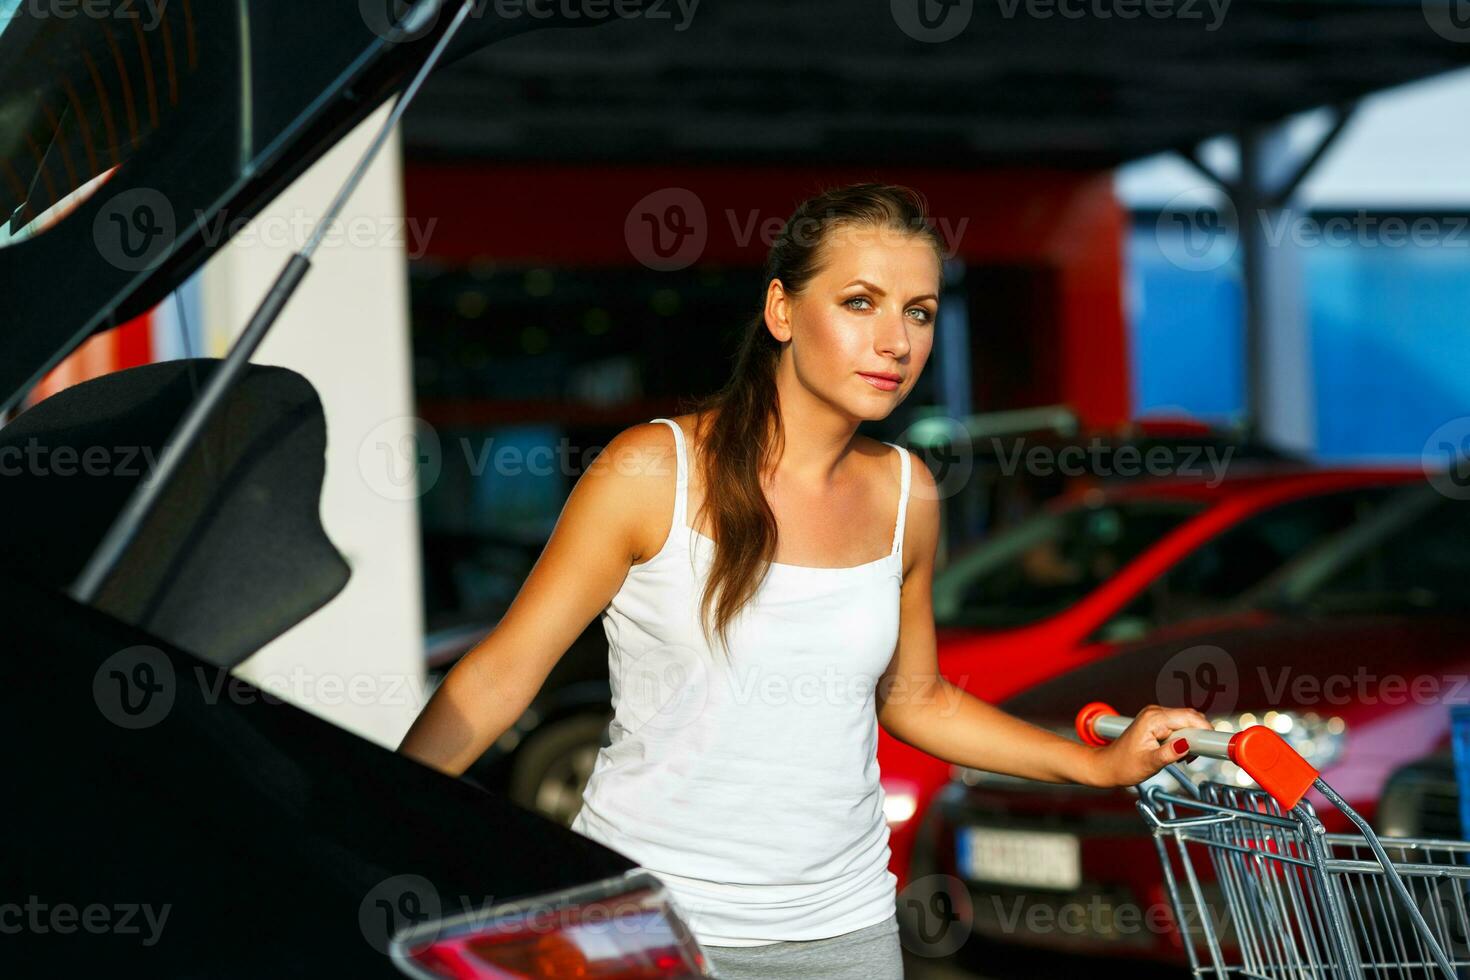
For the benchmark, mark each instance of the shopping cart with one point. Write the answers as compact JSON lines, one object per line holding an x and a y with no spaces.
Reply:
{"x":1288,"y":899}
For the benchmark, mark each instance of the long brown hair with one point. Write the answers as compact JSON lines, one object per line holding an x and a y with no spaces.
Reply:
{"x":739,"y":424}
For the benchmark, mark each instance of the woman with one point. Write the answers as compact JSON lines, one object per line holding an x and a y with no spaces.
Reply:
{"x":750,"y":668}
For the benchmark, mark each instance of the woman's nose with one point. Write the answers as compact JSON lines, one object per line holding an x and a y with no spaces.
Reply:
{"x":893,"y":336}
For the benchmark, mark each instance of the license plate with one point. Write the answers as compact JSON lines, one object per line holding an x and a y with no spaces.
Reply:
{"x":1019,"y":857}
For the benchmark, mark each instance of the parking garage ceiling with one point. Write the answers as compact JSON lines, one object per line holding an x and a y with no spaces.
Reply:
{"x":1068,"y":83}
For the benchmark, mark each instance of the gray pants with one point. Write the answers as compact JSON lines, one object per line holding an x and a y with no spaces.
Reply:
{"x":870,"y":953}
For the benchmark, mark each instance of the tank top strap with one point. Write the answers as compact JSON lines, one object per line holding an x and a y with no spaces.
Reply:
{"x":681,"y":470}
{"x":903,"y":497}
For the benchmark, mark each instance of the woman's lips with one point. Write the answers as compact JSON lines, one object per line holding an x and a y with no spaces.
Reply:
{"x":879,"y":382}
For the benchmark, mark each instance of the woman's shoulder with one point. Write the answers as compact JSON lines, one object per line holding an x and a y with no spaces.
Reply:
{"x":882,"y":457}
{"x":887,"y":459}
{"x":652,"y":441}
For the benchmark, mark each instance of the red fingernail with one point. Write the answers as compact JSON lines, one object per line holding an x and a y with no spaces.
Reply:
{"x":1181,"y":744}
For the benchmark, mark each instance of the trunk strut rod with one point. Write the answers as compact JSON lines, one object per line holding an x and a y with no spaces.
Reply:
{"x":125,"y":526}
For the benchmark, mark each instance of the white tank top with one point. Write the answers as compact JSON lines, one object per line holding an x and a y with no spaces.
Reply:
{"x":750,"y":788}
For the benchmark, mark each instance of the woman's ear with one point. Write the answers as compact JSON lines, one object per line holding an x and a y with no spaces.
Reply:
{"x":778,"y":311}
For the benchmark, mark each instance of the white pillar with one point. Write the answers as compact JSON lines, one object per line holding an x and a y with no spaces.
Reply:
{"x":358,"y":661}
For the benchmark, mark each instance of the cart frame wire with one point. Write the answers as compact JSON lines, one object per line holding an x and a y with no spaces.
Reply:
{"x":1299,"y":903}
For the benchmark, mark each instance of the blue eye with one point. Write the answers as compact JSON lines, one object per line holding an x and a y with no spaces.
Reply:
{"x":856,"y":299}
{"x":928,"y":317}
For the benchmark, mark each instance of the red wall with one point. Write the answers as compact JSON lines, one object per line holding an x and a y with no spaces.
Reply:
{"x":1067,"y":223}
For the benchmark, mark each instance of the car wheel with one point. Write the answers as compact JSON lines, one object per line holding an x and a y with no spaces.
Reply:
{"x":552,"y":767}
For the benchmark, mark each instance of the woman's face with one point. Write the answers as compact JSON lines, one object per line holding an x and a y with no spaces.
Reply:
{"x":867,"y":315}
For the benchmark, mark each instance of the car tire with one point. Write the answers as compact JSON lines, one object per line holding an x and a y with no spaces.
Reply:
{"x":551,"y":768}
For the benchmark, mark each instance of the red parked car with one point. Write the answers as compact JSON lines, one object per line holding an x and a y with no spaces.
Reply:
{"x":1352,"y":653}
{"x":1102,"y":567}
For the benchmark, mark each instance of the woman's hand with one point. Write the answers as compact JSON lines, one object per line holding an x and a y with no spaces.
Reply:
{"x":1146,"y":746}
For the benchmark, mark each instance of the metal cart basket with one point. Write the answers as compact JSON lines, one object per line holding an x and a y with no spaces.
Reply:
{"x":1283,"y":898}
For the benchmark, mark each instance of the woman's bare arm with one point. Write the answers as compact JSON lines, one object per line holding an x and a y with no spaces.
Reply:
{"x":620,"y":503}
{"x":917,"y":706}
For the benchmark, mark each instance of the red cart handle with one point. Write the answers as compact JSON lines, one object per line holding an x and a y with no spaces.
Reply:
{"x":1264,"y":755}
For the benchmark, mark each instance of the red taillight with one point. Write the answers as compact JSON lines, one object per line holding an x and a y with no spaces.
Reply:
{"x":621,"y":929}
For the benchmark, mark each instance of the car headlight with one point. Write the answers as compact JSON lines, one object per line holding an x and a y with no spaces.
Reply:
{"x":900,"y":800}
{"x":1318,"y":739}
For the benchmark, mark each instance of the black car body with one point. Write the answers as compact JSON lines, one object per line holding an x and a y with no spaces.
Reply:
{"x":166,"y":818}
